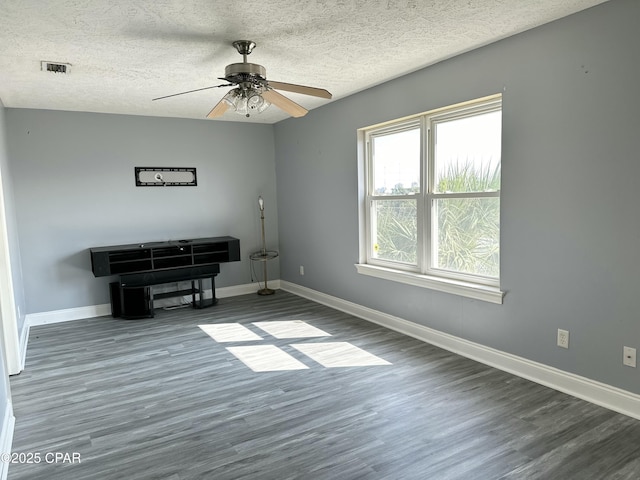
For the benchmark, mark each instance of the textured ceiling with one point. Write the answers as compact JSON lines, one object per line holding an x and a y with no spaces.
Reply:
{"x":123,"y":53}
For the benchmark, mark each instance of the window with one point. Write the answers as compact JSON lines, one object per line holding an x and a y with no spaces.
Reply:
{"x":432,"y":199}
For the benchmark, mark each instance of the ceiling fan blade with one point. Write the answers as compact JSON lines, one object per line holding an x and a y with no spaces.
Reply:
{"x":290,"y":87}
{"x":282,"y":102}
{"x":218,"y":110}
{"x":191,"y":91}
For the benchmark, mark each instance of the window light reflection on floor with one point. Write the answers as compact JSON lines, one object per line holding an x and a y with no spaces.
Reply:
{"x":270,"y":358}
{"x":291,"y":329}
{"x":266,"y":358}
{"x":339,"y":354}
{"x":229,"y":332}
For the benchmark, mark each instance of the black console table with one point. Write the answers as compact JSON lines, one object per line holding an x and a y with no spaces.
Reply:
{"x":144,"y":265}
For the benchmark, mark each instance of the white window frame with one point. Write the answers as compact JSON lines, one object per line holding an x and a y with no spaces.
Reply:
{"x":422,"y":274}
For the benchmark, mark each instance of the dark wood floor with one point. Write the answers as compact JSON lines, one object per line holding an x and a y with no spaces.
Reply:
{"x":159,"y":399}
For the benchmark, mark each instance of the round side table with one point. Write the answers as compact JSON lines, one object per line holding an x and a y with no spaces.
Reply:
{"x":264,"y":256}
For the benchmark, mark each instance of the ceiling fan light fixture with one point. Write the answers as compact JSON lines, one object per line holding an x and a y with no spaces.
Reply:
{"x":246,"y":101}
{"x":252,"y":93}
{"x":230,"y":98}
{"x":256,"y":102}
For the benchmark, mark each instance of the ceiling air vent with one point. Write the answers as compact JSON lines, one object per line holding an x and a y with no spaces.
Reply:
{"x":55,"y":67}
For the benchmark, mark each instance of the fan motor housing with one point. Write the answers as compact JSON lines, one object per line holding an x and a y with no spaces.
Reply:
{"x":243,"y":72}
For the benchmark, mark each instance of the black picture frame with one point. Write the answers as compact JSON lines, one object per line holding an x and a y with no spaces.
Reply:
{"x":166,"y":177}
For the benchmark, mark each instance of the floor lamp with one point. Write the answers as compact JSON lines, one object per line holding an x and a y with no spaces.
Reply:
{"x":263,"y":255}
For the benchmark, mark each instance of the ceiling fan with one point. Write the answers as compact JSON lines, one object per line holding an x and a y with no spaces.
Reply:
{"x":253,"y":93}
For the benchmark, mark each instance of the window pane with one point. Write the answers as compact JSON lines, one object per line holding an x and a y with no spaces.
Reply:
{"x":396,"y":163}
{"x":394,"y":233}
{"x":467,"y":153}
{"x":467,"y":236}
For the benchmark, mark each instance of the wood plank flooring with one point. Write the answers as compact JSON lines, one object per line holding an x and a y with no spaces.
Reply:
{"x":160,"y":399}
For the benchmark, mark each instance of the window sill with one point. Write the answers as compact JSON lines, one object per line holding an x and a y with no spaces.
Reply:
{"x":456,"y":287}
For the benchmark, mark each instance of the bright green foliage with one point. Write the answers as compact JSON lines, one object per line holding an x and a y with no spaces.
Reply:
{"x":467,"y":178}
{"x":468,"y":229}
{"x":397,"y":230}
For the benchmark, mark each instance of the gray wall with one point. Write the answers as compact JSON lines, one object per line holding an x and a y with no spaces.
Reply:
{"x":74,"y":186}
{"x":570,"y":228}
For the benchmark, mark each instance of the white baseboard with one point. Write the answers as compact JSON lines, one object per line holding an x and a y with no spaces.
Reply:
{"x":592,"y":391}
{"x":245,"y":289}
{"x":67,"y":315}
{"x":6,"y":437}
{"x":22,"y":343}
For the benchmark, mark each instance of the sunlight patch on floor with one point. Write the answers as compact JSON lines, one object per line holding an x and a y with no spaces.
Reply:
{"x":339,"y":354}
{"x":291,"y":329}
{"x":271,"y":358}
{"x":266,"y":358}
{"x":229,"y":332}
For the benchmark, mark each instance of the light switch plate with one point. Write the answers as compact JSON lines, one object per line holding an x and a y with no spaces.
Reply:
{"x":629,"y":356}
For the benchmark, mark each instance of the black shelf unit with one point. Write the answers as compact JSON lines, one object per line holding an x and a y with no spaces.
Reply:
{"x":142,"y":266}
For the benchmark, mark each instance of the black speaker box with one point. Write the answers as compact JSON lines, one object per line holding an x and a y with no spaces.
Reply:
{"x":130,"y":303}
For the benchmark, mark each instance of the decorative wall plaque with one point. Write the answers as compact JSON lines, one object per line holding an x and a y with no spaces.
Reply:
{"x":165,"y":177}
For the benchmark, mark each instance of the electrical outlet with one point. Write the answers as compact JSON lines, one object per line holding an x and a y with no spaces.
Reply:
{"x":301,"y":269}
{"x":563,"y":338}
{"x":629,"y":356}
